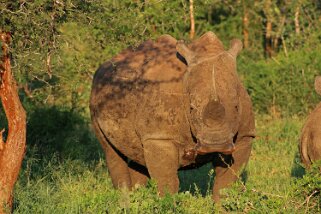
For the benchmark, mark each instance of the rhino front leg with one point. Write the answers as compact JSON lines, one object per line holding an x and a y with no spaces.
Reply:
{"x":227,"y":174}
{"x":117,"y":167}
{"x":161,"y":157}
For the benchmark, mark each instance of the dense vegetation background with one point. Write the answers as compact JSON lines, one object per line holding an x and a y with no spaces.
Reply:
{"x":57,"y":46}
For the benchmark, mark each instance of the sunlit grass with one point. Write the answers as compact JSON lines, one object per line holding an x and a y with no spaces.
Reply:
{"x":55,"y":185}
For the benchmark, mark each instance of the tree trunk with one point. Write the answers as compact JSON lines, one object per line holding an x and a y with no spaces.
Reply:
{"x":13,"y":149}
{"x":296,"y":20}
{"x":245,"y":27}
{"x":268,"y":39}
{"x":279,"y":32}
{"x":268,"y":29}
{"x":191,"y":12}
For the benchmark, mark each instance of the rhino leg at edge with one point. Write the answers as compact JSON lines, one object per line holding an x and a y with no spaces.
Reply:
{"x":226,"y":175}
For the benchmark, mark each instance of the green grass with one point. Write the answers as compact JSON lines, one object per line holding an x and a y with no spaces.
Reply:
{"x":275,"y":182}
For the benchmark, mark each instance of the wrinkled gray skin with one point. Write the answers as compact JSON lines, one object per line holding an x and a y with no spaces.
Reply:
{"x":310,"y":142}
{"x":166,"y":105}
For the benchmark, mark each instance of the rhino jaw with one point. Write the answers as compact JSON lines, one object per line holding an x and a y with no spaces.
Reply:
{"x":225,"y":148}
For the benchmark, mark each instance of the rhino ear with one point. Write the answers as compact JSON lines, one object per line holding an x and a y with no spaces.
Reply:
{"x":185,"y":52}
{"x":317,"y":84}
{"x":235,"y":47}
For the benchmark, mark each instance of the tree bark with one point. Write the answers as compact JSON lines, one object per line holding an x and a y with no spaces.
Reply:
{"x":13,"y":149}
{"x":296,"y":20}
{"x":191,"y":12}
{"x":268,"y":29}
{"x":245,"y":27}
{"x":279,"y":35}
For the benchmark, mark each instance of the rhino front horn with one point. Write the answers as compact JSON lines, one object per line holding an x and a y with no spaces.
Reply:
{"x":235,"y":47}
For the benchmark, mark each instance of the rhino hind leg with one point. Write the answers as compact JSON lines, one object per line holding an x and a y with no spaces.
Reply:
{"x":314,"y":146}
{"x":118,"y":168}
{"x":124,"y":173}
{"x":138,"y":174}
{"x":161,"y":157}
{"x":303,"y":147}
{"x":228,"y":173}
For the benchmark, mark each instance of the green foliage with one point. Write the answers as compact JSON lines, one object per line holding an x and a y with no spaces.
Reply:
{"x":283,"y":82}
{"x":57,"y":46}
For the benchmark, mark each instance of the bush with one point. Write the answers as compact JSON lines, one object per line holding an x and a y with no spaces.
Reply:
{"x":284,"y":84}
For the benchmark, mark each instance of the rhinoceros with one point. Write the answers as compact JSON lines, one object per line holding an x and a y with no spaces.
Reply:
{"x":310,"y":141}
{"x":166,"y":105}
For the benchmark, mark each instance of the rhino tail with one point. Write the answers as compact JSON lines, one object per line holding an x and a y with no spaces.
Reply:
{"x":303,"y":148}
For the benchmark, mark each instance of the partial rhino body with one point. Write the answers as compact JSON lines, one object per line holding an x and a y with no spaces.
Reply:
{"x":310,"y":142}
{"x":166,"y":105}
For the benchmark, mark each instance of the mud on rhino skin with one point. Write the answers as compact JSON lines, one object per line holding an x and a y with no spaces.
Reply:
{"x":164,"y":104}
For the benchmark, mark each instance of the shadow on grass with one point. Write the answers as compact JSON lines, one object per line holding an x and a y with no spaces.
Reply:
{"x":61,"y":132}
{"x":198,"y":180}
{"x":201,"y":180}
{"x":60,"y":143}
{"x":297,"y":171}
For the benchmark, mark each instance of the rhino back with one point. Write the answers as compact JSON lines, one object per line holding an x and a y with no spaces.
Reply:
{"x":139,"y":95}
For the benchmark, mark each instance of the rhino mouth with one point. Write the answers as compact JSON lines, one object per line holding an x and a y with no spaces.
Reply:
{"x":205,"y":147}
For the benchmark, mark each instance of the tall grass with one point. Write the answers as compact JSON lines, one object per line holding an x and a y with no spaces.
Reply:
{"x":275,"y":182}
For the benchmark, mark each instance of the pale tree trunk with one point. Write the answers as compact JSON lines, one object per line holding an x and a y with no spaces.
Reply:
{"x":268,"y":29}
{"x":191,"y":13}
{"x":13,"y":149}
{"x":245,"y":26}
{"x":268,"y":39}
{"x":279,"y":35}
{"x":296,"y":20}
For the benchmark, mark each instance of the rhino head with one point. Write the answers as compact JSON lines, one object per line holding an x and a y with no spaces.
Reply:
{"x":213,"y":87}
